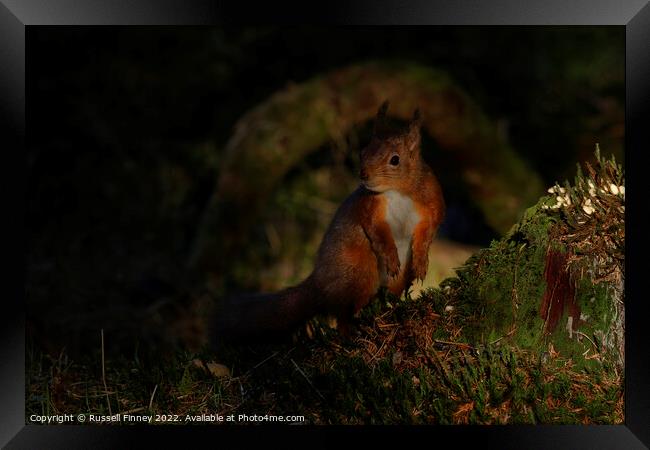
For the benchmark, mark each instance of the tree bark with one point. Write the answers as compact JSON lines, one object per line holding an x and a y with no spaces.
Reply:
{"x":555,"y":282}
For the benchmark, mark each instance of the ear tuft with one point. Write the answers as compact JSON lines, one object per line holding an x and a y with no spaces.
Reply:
{"x":381,"y":113}
{"x":380,"y":121}
{"x":414,"y":130}
{"x":417,"y":118}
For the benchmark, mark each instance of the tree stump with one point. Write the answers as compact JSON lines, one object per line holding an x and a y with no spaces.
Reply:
{"x":555,"y":281}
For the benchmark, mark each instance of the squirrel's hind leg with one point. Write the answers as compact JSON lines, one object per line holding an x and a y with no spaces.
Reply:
{"x":349,"y":284}
{"x":357,"y":297}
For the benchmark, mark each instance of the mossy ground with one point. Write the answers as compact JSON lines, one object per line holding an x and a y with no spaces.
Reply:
{"x":407,"y":365}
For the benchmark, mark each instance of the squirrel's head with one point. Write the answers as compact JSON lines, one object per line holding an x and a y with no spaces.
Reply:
{"x":391,"y":157}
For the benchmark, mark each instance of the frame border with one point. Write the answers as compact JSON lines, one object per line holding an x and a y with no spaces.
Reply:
{"x":16,"y":15}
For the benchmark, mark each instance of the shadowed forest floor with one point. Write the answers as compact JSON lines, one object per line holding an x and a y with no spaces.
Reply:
{"x":408,"y":364}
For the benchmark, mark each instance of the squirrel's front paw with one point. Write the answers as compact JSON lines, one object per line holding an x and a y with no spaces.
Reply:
{"x":420,"y":264}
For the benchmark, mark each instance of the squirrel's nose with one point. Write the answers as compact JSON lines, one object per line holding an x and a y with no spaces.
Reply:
{"x":363,"y":174}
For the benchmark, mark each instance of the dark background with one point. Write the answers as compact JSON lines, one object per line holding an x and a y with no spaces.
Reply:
{"x":126,"y":128}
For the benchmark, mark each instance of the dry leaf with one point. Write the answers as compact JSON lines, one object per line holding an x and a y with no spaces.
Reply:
{"x":198,"y":363}
{"x":218,"y":370}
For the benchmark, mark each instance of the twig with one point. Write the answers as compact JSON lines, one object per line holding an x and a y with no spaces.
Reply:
{"x":388,"y":325}
{"x":152,"y":396}
{"x":265,"y":360}
{"x":459,"y":344}
{"x":307,"y":378}
{"x":508,"y":334}
{"x":383,"y":344}
{"x":131,"y":411}
{"x":497,"y":340}
{"x":207,"y":394}
{"x":587,"y":337}
{"x":260,"y":363}
{"x":108,"y":400}
{"x":368,"y":343}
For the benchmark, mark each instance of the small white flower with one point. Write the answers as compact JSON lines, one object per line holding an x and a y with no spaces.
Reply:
{"x":588,"y":202}
{"x":613,"y":189}
{"x":544,"y":207}
{"x":551,"y":190}
{"x":587,"y":209}
{"x":559,"y":199}
{"x":449,"y":308}
{"x":621,"y":190}
{"x":567,"y":200}
{"x":591,"y":185}
{"x":562,"y":190}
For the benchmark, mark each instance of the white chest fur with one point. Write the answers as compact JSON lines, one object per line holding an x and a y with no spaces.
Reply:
{"x":402,"y":217}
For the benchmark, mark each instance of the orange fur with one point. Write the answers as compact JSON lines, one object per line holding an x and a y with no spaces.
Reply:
{"x":393,"y":214}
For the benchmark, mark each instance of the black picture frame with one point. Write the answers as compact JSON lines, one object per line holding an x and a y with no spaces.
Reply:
{"x":17,"y":15}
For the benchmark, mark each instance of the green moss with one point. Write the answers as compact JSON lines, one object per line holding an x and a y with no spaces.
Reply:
{"x":500,"y":289}
{"x":502,"y":286}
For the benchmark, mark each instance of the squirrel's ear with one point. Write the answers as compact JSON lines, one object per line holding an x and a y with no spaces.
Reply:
{"x":413,"y":137}
{"x":416,"y":122}
{"x":380,"y":120}
{"x":381,"y":113}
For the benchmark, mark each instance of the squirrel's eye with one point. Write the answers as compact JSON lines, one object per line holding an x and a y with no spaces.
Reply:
{"x":394,"y":160}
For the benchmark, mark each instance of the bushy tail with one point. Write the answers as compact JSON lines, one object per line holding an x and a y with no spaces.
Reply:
{"x":268,"y":316}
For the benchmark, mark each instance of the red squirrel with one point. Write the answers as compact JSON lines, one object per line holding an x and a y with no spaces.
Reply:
{"x":380,"y":236}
